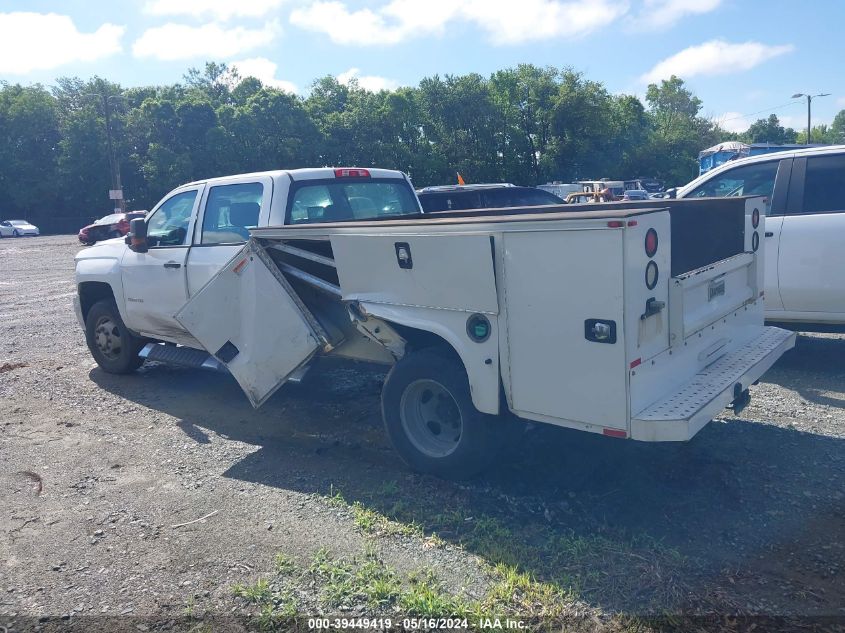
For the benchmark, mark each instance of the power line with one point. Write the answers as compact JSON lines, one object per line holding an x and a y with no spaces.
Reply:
{"x":777,"y":107}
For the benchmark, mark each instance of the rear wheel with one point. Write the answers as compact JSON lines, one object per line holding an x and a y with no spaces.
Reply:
{"x":112,"y":345}
{"x":431,"y":421}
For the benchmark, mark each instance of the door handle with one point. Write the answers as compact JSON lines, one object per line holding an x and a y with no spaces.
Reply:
{"x":173,"y":265}
{"x":769,"y":234}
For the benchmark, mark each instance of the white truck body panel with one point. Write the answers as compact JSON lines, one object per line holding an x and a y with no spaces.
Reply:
{"x":548,"y":297}
{"x":252,"y":324}
{"x":811,"y":264}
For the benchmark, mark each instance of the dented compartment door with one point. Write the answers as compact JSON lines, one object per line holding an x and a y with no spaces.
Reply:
{"x":249,"y":318}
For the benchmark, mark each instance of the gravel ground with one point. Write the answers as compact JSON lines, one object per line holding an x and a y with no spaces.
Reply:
{"x":97,"y":470}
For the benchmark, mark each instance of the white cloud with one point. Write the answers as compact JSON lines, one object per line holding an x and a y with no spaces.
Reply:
{"x":264,"y":70}
{"x":373,"y":83}
{"x":39,"y":41}
{"x":715,"y":57}
{"x":663,"y":13}
{"x":505,"y":21}
{"x":179,"y":41}
{"x":219,"y":9}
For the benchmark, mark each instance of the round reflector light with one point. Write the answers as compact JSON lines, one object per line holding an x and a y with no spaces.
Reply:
{"x":755,"y":218}
{"x":651,"y":275}
{"x":478,"y":328}
{"x":755,"y":241}
{"x":651,"y":243}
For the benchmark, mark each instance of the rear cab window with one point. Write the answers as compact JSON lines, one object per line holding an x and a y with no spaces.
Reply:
{"x":348,"y":199}
{"x":230,"y":211}
{"x":824,"y":184}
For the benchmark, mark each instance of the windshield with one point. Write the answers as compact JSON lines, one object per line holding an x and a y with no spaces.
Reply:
{"x":339,"y":200}
{"x":114,"y":218}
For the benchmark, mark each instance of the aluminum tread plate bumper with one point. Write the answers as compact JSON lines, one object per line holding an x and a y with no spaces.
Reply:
{"x":681,"y":415}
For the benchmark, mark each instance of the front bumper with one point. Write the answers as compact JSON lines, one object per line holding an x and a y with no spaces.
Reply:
{"x":682,"y":414}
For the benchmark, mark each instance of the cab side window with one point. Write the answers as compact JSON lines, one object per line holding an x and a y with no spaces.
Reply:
{"x":824,"y":184}
{"x":751,"y":180}
{"x":168,"y":225}
{"x":231,"y":210}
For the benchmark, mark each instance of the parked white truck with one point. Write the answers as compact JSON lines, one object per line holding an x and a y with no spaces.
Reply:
{"x":626,"y":320}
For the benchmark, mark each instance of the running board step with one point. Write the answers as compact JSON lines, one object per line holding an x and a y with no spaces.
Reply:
{"x":181,"y":356}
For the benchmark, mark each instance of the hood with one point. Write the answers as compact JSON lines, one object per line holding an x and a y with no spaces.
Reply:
{"x":110,"y":249}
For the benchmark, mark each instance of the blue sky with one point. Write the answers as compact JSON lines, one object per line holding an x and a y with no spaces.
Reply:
{"x":743,"y":58}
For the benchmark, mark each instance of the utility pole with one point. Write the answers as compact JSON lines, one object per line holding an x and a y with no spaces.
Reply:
{"x":798,"y":95}
{"x":116,"y":191}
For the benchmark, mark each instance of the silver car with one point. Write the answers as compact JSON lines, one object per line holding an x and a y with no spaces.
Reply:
{"x":17,"y":228}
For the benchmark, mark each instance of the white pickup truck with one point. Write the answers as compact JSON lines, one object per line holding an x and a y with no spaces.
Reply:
{"x":625,"y":320}
{"x":805,"y":226}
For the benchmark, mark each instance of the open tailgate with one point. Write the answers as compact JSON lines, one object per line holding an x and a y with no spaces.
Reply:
{"x":249,"y":318}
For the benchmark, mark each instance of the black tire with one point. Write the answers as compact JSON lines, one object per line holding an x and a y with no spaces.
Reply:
{"x":112,"y":345}
{"x":437,"y":446}
{"x":15,"y":233}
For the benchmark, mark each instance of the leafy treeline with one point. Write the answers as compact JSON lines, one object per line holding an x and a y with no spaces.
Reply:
{"x":525,"y":125}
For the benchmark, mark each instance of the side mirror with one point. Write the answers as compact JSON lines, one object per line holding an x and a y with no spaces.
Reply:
{"x":672,"y":193}
{"x":137,"y":236}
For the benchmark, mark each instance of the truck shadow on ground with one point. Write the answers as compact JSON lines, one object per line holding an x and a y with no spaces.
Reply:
{"x":625,"y":525}
{"x":815,"y":369}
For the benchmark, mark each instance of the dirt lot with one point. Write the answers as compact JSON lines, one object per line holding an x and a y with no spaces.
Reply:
{"x":96,"y":472}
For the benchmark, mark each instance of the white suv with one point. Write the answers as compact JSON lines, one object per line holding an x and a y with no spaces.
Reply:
{"x":805,"y":229}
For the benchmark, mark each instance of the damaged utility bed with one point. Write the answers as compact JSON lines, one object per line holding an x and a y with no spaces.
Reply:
{"x":632,"y":320}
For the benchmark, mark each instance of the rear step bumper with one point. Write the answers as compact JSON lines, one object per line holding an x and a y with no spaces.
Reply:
{"x":684,"y":413}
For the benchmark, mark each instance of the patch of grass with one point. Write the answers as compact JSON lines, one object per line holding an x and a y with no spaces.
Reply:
{"x":258,"y":592}
{"x":366,"y":580}
{"x":372,"y":522}
{"x":558,"y":564}
{"x":335,"y":498}
{"x":283,"y":564}
{"x":426,"y":598}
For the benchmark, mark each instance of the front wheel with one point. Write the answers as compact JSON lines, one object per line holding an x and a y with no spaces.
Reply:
{"x":112,"y":345}
{"x":431,"y":421}
{"x":16,"y":233}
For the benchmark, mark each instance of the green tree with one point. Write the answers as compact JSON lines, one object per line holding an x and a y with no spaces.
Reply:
{"x":29,"y":151}
{"x":769,"y":130}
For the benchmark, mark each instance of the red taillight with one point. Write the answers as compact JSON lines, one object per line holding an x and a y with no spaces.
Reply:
{"x":615,"y":224}
{"x":614,"y":433}
{"x":636,"y":363}
{"x":755,"y":218}
{"x":632,"y":223}
{"x":651,"y":243}
{"x":346,"y":172}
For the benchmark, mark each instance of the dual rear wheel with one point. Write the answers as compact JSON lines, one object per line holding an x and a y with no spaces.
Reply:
{"x":431,"y":420}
